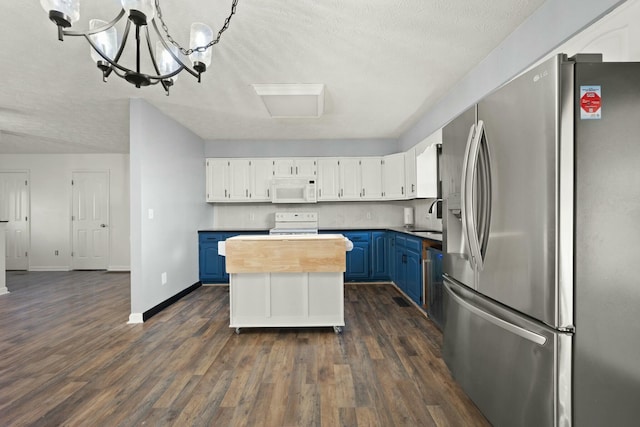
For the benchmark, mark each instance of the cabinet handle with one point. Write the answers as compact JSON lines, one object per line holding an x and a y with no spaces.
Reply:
{"x":413,"y":188}
{"x":291,"y":170}
{"x":268,"y":193}
{"x":341,"y":192}
{"x":246,"y":193}
{"x":320,"y":192}
{"x":363,"y":192}
{"x":402,"y":189}
{"x":296,"y":170}
{"x":225,"y":193}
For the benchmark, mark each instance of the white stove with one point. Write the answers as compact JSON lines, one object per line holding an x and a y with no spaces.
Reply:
{"x":295,"y":223}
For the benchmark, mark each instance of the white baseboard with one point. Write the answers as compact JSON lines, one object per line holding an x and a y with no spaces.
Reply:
{"x":4,"y":290}
{"x":118,"y":268}
{"x":135,"y":318}
{"x":44,"y":268}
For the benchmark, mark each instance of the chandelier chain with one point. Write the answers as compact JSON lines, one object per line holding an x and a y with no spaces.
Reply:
{"x":187,"y":52}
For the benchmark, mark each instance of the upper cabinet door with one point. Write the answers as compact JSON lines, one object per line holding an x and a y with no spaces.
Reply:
{"x":239,"y":179}
{"x":394,"y":177}
{"x":217,"y":180}
{"x":328,"y":179}
{"x":283,"y":167}
{"x":427,"y":172}
{"x":371,"y":175}
{"x":350,"y":179}
{"x":411,"y":179}
{"x":305,"y":167}
{"x":261,"y":175}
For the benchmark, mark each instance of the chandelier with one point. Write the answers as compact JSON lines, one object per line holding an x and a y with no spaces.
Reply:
{"x":166,"y":62}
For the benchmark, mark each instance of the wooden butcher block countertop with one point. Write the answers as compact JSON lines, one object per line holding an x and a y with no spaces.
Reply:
{"x":311,"y":253}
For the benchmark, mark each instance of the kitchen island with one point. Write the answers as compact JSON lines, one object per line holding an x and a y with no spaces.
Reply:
{"x":286,"y":280}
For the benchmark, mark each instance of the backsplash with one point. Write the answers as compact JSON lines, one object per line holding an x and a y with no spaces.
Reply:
{"x":330,"y":215}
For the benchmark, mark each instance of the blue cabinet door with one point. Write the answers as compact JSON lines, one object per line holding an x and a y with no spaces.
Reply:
{"x":211,"y":265}
{"x":358,"y":262}
{"x":400,"y":269}
{"x":358,"y":259}
{"x":413,"y":277}
{"x":379,"y":255}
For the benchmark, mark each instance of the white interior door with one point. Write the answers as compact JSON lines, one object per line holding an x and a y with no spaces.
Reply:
{"x":90,"y":220}
{"x":14,"y":207}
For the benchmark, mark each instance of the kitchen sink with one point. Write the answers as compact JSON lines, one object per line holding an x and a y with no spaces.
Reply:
{"x":427,"y":231}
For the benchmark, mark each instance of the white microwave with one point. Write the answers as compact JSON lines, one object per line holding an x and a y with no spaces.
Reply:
{"x":293,"y":190}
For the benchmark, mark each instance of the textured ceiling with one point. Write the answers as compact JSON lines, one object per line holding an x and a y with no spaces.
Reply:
{"x":383,"y":63}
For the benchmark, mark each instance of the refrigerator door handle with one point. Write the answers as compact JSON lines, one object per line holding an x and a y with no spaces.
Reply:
{"x":465,"y":204}
{"x":517,"y":330}
{"x":469,"y":181}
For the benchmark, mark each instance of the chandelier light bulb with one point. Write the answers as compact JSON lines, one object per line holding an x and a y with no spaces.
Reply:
{"x":201,"y":35}
{"x":106,"y":41}
{"x":166,"y":63}
{"x":65,"y":12}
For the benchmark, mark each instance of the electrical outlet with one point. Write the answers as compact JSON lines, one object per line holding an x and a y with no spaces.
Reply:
{"x":56,"y":252}
{"x":163,"y":278}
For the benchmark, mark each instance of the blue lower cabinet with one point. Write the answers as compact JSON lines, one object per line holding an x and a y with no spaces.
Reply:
{"x":380,"y":244}
{"x":358,"y":259}
{"x":413,"y":278}
{"x":400,"y":276}
{"x":358,"y":262}
{"x":408,"y":266}
{"x":212,"y":265}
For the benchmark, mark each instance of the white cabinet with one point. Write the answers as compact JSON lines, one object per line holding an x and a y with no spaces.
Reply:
{"x":261,"y":175}
{"x":294,"y":167}
{"x":217,"y":185}
{"x":350,"y":179}
{"x":394,"y":177}
{"x":360,"y":178}
{"x":427,"y":172}
{"x":411,"y":179}
{"x":238,"y":180}
{"x":328,"y":179}
{"x":371,"y":178}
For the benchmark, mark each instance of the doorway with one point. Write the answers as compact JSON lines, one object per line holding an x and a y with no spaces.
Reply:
{"x":14,"y":207}
{"x":90,"y":220}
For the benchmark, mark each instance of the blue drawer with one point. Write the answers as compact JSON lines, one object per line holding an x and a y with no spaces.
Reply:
{"x":414,"y":244}
{"x":357,"y":236}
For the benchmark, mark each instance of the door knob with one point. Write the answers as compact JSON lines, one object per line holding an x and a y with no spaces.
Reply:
{"x":103,"y":225}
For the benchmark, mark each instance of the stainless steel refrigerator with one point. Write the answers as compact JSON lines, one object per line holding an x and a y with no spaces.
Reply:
{"x":541,"y":241}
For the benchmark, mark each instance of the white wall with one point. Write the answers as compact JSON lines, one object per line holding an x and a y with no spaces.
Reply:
{"x":167,"y":176}
{"x":50,"y":197}
{"x":550,"y":26}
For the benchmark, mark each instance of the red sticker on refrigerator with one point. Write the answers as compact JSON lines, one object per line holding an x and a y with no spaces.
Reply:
{"x":590,"y":102}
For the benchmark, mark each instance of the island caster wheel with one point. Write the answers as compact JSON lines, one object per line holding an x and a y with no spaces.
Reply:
{"x":237,"y":331}
{"x":337,"y":330}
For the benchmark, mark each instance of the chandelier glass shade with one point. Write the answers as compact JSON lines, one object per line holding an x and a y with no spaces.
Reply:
{"x":166,"y":56}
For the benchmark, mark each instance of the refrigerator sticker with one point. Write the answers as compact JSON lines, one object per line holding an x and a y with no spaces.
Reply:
{"x":590,"y":102}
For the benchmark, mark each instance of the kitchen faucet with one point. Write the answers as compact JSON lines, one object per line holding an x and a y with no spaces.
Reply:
{"x":433,"y":204}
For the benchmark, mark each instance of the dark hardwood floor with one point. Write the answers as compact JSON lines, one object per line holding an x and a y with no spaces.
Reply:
{"x":67,"y":357}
